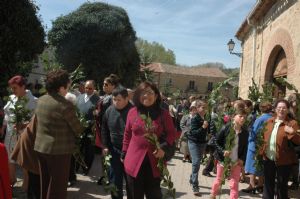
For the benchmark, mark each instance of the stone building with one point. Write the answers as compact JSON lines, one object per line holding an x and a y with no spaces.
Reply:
{"x":186,"y":81}
{"x":270,"y":38}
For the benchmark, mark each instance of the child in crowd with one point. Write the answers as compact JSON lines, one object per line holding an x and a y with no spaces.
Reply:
{"x":236,"y":150}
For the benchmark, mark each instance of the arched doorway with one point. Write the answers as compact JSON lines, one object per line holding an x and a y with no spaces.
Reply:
{"x":280,"y":70}
{"x":277,"y":67}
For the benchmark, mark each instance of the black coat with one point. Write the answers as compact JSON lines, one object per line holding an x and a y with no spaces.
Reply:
{"x":113,"y":125}
{"x":220,"y":142}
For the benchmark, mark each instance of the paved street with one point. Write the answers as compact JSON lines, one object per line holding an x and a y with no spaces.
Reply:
{"x":87,"y":188}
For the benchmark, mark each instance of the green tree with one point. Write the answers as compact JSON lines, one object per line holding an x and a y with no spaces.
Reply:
{"x":100,"y":38}
{"x":154,"y":52}
{"x":21,"y":38}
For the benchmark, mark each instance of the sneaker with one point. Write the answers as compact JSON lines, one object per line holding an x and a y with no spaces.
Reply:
{"x":196,"y":191}
{"x":197,"y":194}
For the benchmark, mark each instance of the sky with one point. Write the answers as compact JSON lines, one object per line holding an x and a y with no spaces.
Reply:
{"x":197,"y":31}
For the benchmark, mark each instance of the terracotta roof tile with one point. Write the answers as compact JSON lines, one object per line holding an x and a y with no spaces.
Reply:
{"x":193,"y":71}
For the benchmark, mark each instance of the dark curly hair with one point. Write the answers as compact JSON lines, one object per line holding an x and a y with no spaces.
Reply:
{"x":113,"y":79}
{"x":282,"y":101}
{"x":56,"y":79}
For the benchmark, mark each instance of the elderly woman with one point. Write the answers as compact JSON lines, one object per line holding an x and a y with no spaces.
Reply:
{"x":57,"y":126}
{"x":141,"y":159}
{"x":278,"y":156}
{"x":17,"y":85}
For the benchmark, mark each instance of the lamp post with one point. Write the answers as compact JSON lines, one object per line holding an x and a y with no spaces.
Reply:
{"x":231,"y":45}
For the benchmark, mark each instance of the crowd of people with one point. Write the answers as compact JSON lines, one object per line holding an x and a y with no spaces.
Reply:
{"x":65,"y":123}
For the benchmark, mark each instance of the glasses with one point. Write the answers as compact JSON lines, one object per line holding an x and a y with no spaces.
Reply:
{"x":148,"y":92}
{"x":281,"y":108}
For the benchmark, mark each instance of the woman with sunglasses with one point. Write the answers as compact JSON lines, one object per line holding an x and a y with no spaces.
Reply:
{"x":109,"y":84}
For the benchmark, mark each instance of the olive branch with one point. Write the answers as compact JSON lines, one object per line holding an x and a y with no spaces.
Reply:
{"x":152,"y":138}
{"x":108,"y":186}
{"x":227,"y":164}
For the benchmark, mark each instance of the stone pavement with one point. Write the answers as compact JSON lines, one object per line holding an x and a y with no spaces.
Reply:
{"x":87,"y":188}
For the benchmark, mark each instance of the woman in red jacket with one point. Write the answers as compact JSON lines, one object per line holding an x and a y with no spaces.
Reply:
{"x":5,"y":188}
{"x":140,"y":161}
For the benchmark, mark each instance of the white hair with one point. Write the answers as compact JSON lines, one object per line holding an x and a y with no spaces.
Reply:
{"x":71,"y":97}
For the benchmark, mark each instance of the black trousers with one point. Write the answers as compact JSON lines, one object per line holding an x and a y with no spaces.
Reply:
{"x":281,"y":174}
{"x":34,"y":186}
{"x":295,"y":173}
{"x":144,"y":183}
{"x":117,"y":173}
{"x":88,"y":151}
{"x":210,"y":162}
{"x":72,"y":174}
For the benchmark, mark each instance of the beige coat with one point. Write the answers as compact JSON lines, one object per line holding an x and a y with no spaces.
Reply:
{"x":24,"y":153}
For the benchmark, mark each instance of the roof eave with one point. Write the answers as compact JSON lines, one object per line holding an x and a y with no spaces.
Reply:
{"x":260,"y":8}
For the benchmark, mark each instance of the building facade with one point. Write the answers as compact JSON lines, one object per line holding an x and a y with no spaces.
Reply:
{"x":270,"y":38}
{"x":185,"y":81}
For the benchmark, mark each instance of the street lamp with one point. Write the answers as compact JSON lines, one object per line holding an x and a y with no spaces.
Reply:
{"x":231,"y":45}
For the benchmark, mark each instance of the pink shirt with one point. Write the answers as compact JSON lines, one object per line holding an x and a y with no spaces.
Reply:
{"x":136,"y":146}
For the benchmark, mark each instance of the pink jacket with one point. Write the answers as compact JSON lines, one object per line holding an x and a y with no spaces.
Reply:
{"x":136,"y":146}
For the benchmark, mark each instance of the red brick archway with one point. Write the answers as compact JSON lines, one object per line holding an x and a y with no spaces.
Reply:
{"x":280,"y":40}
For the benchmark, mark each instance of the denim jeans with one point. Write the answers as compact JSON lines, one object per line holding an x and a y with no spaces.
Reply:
{"x":196,"y":152}
{"x":116,"y":172}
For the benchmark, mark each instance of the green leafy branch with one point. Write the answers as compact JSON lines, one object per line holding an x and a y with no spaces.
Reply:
{"x":267,"y":94}
{"x":227,"y":160}
{"x":214,"y":98}
{"x":76,"y":76}
{"x":152,"y":138}
{"x":108,"y":186}
{"x":77,"y":153}
{"x":20,"y":113}
{"x":254,"y":94}
{"x":289,"y":86}
{"x":259,"y":143}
